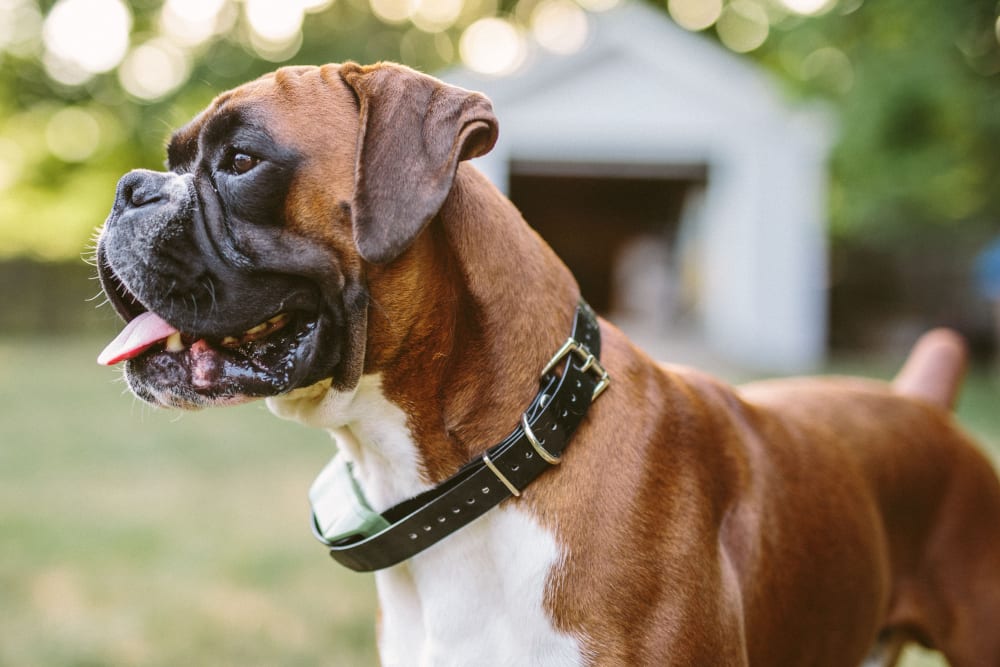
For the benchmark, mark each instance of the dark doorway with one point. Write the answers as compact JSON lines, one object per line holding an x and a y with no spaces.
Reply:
{"x":594,"y":215}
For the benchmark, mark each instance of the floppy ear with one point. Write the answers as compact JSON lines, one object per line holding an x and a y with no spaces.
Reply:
{"x":414,"y":131}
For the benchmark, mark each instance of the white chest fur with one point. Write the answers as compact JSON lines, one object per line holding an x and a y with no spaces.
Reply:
{"x":476,"y":598}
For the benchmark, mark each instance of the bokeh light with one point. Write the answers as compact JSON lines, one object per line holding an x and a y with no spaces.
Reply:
{"x":808,"y":7}
{"x":743,"y":26}
{"x":314,"y":6}
{"x":275,"y":27}
{"x":830,"y":67}
{"x":72,"y":134}
{"x":695,"y":14}
{"x":275,"y":52}
{"x":435,"y":15}
{"x":64,"y":71}
{"x":191,"y":22}
{"x":492,"y":46}
{"x":444,"y":47}
{"x":154,"y":69}
{"x":559,"y":26}
{"x":598,"y":5}
{"x":20,"y":27}
{"x":11,"y":163}
{"x":391,"y":11}
{"x":277,"y":21}
{"x":85,"y":37}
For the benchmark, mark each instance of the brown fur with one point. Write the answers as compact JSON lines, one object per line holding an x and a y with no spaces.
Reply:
{"x":782,"y":523}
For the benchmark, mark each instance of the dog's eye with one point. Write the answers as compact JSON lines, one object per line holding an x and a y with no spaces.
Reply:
{"x":241,"y":163}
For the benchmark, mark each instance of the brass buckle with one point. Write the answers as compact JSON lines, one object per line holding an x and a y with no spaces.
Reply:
{"x":590,"y":363}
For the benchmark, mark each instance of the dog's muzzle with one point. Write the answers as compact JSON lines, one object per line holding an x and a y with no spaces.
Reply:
{"x":205,"y":322}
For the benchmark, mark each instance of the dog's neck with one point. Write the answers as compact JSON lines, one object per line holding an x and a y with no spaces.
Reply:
{"x":439,"y":388}
{"x":435,"y":370}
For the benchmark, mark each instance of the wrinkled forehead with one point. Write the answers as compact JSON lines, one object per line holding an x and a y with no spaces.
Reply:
{"x":294,"y":106}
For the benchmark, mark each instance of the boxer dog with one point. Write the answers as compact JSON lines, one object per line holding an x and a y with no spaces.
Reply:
{"x":319,"y":240}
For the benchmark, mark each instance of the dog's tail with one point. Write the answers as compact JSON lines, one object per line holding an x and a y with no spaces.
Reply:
{"x":934,"y":370}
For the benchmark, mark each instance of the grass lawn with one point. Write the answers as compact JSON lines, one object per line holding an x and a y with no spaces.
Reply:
{"x":131,"y":536}
{"x":138,"y":537}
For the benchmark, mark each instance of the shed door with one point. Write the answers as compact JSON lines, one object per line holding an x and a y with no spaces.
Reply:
{"x":622,"y":231}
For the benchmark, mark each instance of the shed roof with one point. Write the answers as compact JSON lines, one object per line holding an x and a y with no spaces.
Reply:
{"x":642,"y":89}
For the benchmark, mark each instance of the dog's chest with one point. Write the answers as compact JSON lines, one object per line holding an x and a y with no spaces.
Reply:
{"x":476,"y":598}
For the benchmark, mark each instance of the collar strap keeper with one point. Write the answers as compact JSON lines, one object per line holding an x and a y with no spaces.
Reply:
{"x":504,"y":470}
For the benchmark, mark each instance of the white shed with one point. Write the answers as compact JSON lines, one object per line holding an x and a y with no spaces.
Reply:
{"x":654,"y":133}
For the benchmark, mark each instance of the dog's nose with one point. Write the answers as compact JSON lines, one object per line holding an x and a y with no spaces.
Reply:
{"x":139,"y":188}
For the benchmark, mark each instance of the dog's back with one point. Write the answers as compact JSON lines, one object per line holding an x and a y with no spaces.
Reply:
{"x":937,"y":494}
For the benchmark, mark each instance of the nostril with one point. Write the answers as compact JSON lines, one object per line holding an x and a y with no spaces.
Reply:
{"x":139,"y":188}
{"x":143,"y":194}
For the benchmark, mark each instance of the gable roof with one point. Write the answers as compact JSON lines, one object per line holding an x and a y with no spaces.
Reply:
{"x":646,"y":85}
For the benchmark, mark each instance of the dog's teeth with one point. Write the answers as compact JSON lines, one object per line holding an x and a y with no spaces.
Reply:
{"x":174,"y":342}
{"x":255,"y":330}
{"x":258,"y":332}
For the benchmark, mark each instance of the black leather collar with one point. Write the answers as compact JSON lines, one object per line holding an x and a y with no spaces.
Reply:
{"x":504,"y":470}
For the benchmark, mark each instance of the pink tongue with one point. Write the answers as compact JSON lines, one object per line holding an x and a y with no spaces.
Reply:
{"x":138,"y":335}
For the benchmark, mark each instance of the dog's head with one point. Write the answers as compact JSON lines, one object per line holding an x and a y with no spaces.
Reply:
{"x":241,"y":271}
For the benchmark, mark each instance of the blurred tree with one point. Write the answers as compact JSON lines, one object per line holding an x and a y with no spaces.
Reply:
{"x":917,"y":87}
{"x":915,"y":83}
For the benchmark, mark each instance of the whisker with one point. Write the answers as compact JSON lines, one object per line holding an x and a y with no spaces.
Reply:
{"x":106,"y":301}
{"x":211,"y":292}
{"x":194,"y":303}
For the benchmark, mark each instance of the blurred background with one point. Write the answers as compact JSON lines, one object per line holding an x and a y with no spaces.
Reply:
{"x":754,"y":186}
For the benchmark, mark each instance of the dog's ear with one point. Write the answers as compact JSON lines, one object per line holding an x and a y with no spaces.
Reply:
{"x":414,"y":131}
